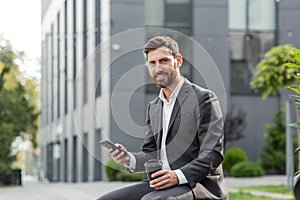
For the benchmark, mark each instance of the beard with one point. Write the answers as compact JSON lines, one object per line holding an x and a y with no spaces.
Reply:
{"x":164,"y":79}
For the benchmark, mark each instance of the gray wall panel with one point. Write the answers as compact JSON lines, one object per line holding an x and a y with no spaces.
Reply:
{"x":293,"y":4}
{"x":126,"y":16}
{"x":258,"y":113}
{"x":289,"y":32}
{"x":210,"y":21}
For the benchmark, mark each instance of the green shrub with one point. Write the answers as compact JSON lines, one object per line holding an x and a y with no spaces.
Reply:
{"x":273,"y":154}
{"x":128,"y":177}
{"x":112,"y":169}
{"x":233,"y":156}
{"x":117,"y":172}
{"x":246,"y":169}
{"x":4,"y":169}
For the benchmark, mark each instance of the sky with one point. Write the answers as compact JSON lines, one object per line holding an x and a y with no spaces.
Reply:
{"x":20,"y":23}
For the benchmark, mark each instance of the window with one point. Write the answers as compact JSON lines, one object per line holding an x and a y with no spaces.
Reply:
{"x":52,"y":73}
{"x":85,"y":160}
{"x":252,"y":33}
{"x":66,"y":56}
{"x":178,"y":15}
{"x":58,"y":65}
{"x":246,"y":50}
{"x":254,"y":15}
{"x":97,"y":52}
{"x":97,"y":157}
{"x":74,"y":55}
{"x":66,"y":155}
{"x":74,"y":159}
{"x":85,"y":94}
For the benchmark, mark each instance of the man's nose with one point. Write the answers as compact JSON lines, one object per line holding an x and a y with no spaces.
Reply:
{"x":158,"y":67}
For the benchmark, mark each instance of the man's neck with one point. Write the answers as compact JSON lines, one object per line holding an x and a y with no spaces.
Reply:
{"x":169,"y":90}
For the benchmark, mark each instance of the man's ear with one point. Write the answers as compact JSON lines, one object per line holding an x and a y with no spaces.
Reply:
{"x":179,"y":60}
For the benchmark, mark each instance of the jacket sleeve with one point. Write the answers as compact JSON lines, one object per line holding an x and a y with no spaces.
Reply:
{"x":149,"y":148}
{"x":210,"y":138}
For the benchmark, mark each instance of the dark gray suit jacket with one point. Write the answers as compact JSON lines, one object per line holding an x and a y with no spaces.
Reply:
{"x":194,"y":141}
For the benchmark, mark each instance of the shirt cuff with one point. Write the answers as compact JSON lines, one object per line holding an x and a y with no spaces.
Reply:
{"x":181,"y":177}
{"x":132,"y":163}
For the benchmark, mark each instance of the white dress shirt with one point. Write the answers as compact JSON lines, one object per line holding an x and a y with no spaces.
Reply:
{"x":167,"y":111}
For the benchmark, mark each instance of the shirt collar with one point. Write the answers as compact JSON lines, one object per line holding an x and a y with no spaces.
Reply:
{"x":174,"y":93}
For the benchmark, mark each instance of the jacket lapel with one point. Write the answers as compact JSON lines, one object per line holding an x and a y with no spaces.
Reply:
{"x":179,"y":101}
{"x":158,"y":120}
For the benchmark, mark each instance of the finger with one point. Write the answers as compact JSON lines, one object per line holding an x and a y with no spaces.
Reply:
{"x":110,"y":150}
{"x":121,"y":146}
{"x":120,"y":156}
{"x":159,"y":173}
{"x":161,"y":185}
{"x":165,"y":181}
{"x":159,"y":180}
{"x":123,"y":158}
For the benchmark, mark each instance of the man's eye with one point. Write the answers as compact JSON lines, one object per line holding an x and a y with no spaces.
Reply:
{"x":164,"y":60}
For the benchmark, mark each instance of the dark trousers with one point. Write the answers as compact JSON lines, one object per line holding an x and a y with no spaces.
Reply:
{"x":142,"y":191}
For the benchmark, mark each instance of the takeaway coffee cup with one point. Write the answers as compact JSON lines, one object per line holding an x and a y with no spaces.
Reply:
{"x":152,"y":166}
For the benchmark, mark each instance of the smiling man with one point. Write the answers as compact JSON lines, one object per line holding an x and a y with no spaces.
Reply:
{"x":184,"y":130}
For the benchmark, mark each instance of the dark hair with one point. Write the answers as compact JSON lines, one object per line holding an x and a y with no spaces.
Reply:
{"x":159,"y":41}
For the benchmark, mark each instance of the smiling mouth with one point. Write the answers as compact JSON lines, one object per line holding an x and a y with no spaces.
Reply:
{"x":161,"y":76}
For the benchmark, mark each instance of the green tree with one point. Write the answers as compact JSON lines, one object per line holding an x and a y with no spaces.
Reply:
{"x":273,"y":73}
{"x":273,"y":155}
{"x":296,"y":88}
{"x":18,"y":104}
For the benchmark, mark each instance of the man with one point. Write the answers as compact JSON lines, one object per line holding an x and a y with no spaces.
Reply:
{"x":184,"y":131}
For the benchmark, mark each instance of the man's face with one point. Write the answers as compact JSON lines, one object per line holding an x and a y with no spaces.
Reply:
{"x":163,"y":66}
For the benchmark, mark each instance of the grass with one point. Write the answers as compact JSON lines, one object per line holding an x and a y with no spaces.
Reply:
{"x":246,"y":196}
{"x":243,"y":195}
{"x":269,"y":188}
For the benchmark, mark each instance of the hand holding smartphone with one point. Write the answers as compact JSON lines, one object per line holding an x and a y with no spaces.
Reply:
{"x":109,"y":144}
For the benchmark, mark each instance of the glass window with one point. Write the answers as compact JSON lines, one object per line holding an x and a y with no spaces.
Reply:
{"x":252,"y":25}
{"x":261,"y":15}
{"x":74,"y":55}
{"x":172,"y":18}
{"x":97,"y":53}
{"x":58,"y":65}
{"x":52,"y":73}
{"x":246,"y":50}
{"x":154,"y":12}
{"x":85,"y":82}
{"x":66,"y":56}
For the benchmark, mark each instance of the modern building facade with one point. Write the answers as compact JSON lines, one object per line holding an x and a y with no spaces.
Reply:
{"x":94,"y":81}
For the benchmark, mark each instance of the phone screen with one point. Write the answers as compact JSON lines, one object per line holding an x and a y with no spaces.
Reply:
{"x":109,"y":144}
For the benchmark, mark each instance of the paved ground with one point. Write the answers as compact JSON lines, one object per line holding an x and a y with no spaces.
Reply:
{"x":33,"y":190}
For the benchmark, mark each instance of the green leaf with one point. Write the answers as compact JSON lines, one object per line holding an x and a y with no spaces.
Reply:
{"x":297,"y":97}
{"x":296,"y":76}
{"x":293,"y":88}
{"x":295,"y":125}
{"x":297,"y":56}
{"x":291,"y":65}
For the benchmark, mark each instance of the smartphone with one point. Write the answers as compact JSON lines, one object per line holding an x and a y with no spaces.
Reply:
{"x":109,"y":144}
